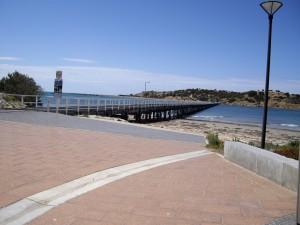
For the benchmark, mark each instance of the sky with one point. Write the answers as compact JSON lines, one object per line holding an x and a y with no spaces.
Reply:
{"x":114,"y":46}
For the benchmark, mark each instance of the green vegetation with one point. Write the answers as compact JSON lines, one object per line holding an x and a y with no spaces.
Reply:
{"x":18,"y":83}
{"x":289,"y":150}
{"x":215,"y":143}
{"x":250,"y":98}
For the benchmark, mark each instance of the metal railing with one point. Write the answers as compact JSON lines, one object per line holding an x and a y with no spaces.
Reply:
{"x":87,"y":104}
{"x":34,"y":99}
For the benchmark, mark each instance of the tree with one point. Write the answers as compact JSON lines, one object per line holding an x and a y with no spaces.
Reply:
{"x":18,"y":83}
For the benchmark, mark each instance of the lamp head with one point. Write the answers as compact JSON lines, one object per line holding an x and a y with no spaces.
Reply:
{"x":271,"y":7}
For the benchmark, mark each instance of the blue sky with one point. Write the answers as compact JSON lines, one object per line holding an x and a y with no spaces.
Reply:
{"x":113,"y":46}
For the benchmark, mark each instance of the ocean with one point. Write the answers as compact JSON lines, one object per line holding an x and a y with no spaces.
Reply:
{"x":277,"y":118}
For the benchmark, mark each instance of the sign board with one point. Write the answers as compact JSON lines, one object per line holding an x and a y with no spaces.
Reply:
{"x":58,"y":83}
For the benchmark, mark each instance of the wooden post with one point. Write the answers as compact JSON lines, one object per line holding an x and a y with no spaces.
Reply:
{"x":57,"y":103}
{"x":36,"y":101}
{"x":66,"y":104}
{"x":78,"y":106}
{"x":48,"y":105}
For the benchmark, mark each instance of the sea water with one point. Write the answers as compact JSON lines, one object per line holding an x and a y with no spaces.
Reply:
{"x":277,"y":118}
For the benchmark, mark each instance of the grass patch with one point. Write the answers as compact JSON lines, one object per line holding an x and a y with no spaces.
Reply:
{"x":215,"y":143}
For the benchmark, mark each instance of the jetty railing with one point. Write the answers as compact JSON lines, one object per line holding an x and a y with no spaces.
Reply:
{"x":25,"y":100}
{"x":122,"y":106}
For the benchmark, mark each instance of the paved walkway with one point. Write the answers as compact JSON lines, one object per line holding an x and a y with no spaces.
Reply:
{"x":202,"y":191}
{"x":74,"y":122}
{"x":37,"y":154}
{"x":31,"y":207}
{"x":34,"y":158}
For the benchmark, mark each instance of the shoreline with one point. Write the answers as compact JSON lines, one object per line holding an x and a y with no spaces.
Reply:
{"x":230,"y":131}
{"x":245,"y":124}
{"x":227,"y":131}
{"x":145,"y":125}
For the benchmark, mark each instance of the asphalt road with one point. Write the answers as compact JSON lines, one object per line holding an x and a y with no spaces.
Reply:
{"x":59,"y":120}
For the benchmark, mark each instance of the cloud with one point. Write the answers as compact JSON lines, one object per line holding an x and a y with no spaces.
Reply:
{"x":78,"y":60}
{"x":107,"y":80}
{"x":9,"y":58}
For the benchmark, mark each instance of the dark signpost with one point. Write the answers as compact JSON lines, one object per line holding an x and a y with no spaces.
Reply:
{"x":58,"y":85}
{"x":270,"y":7}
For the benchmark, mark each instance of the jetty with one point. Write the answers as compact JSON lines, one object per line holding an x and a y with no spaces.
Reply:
{"x":141,"y":110}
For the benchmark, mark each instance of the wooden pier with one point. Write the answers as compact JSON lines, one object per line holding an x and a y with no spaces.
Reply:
{"x":141,"y":110}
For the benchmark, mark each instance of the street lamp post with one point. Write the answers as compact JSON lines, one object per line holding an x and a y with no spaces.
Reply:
{"x":146,"y":82}
{"x":270,"y":7}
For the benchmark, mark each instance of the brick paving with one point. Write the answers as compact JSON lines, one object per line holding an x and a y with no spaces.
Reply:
{"x":38,"y":155}
{"x":34,"y":157}
{"x":285,"y":220}
{"x":202,"y":191}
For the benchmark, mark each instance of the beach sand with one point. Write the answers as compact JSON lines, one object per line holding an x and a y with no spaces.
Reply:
{"x":226,"y":131}
{"x":230,"y":131}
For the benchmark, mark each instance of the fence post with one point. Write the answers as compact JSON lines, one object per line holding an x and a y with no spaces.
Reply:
{"x":97,"y":106}
{"x":78,"y":106}
{"x":48,"y":105}
{"x":57,"y":102}
{"x":22,"y":100}
{"x":66,"y":104}
{"x":88,"y":107}
{"x":105,"y":106}
{"x":36,"y":101}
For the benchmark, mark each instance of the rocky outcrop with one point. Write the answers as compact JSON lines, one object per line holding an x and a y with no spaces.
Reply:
{"x":277,"y":99}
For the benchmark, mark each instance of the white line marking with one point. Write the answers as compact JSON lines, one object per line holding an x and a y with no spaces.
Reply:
{"x":35,"y":205}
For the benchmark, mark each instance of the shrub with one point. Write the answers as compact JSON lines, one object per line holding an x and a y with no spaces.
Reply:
{"x":214,"y":142}
{"x":18,"y":83}
{"x":290,"y":150}
{"x":235,"y":139}
{"x":22,"y":84}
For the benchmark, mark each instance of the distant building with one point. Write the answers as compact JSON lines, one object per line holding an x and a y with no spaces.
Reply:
{"x":58,"y":83}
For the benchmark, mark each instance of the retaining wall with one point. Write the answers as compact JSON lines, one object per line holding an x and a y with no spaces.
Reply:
{"x":277,"y":168}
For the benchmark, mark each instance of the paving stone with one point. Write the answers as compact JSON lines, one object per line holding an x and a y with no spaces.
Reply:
{"x":285,"y":220}
{"x":36,"y":157}
{"x":166,"y":195}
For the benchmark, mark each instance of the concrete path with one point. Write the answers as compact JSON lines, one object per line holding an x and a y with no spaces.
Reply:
{"x":34,"y":158}
{"x":201,"y":191}
{"x":31,"y":207}
{"x":59,"y":120}
{"x":39,"y":151}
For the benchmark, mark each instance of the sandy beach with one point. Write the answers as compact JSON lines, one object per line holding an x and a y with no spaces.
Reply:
{"x":230,"y":131}
{"x":226,"y":131}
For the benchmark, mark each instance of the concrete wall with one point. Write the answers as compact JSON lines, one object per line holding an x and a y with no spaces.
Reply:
{"x":277,"y":168}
